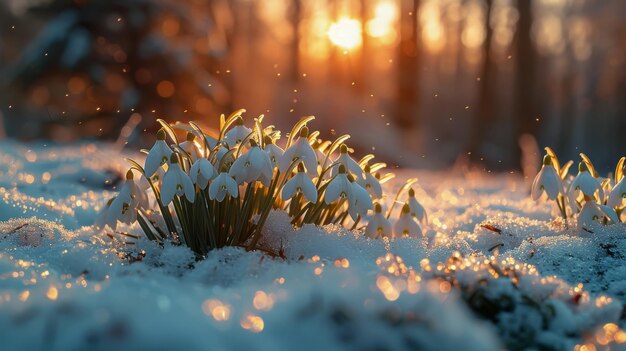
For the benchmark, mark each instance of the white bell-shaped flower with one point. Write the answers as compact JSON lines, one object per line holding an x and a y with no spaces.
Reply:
{"x":322,"y":160}
{"x":201,"y":172}
{"x":617,"y":196}
{"x":339,"y":187}
{"x":237,"y":133}
{"x":120,"y":208}
{"x":594,"y":213}
{"x":300,"y":150}
{"x":585,"y":183}
{"x":176,"y":182}
{"x":547,"y":181}
{"x":159,"y":154}
{"x":220,"y":186}
{"x":351,"y":165}
{"x":254,"y":165}
{"x":137,"y":194}
{"x":371,"y":184}
{"x":360,"y":202}
{"x":300,"y":184}
{"x":417,"y":210}
{"x":273,"y":151}
{"x":378,"y":225}
{"x":190,"y":147}
{"x":406,"y":224}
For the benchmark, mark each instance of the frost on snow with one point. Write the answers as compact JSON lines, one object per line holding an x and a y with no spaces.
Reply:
{"x":491,"y":271}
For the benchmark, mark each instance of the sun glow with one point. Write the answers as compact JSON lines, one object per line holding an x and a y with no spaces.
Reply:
{"x":345,"y":33}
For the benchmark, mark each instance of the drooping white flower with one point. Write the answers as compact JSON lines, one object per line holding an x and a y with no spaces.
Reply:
{"x":617,"y":196}
{"x":222,"y":185}
{"x":378,"y":225}
{"x":273,"y":151}
{"x":593,"y":212}
{"x":371,"y":184}
{"x":417,"y":210}
{"x":137,"y":194}
{"x":237,"y":133}
{"x":201,"y":172}
{"x":300,"y":183}
{"x":322,"y":160}
{"x":547,"y":181}
{"x":123,"y":207}
{"x":406,"y":224}
{"x":351,"y":165}
{"x":585,"y":183}
{"x":176,"y":182}
{"x":339,"y":187}
{"x":191,"y":147}
{"x":254,"y":165}
{"x":360,"y":202}
{"x":159,"y":154}
{"x":300,"y":150}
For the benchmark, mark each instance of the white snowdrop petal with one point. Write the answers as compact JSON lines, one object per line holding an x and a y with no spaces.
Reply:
{"x":289,"y":189}
{"x":308,"y":189}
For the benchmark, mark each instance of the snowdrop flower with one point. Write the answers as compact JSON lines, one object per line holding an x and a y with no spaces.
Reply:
{"x":273,"y":151}
{"x":300,"y":150}
{"x":191,"y":147}
{"x":159,"y":154}
{"x":360,"y":202}
{"x":584,"y":182}
{"x":339,"y":187}
{"x":254,"y":165}
{"x":322,"y":160}
{"x":348,"y":162}
{"x":237,"y":133}
{"x":371,"y":184}
{"x":378,"y":225}
{"x":406,"y":224}
{"x":222,"y":185}
{"x":137,"y":195}
{"x":417,"y":210}
{"x":201,"y":172}
{"x":300,"y":183}
{"x":176,"y":182}
{"x":617,"y":194}
{"x":593,"y":212}
{"x":123,"y":207}
{"x":547,"y":181}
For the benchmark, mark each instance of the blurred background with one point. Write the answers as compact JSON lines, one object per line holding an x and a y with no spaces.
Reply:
{"x":421,"y":83}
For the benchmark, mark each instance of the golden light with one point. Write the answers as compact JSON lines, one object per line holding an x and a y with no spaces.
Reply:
{"x":216,"y":309}
{"x":345,"y":33}
{"x":52,"y":293}
{"x":252,"y":323}
{"x":386,"y":10}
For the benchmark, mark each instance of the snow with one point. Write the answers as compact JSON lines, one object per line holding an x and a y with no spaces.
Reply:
{"x":493,"y":271}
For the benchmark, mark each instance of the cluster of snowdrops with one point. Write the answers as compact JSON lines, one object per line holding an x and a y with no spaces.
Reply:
{"x":211,"y":191}
{"x":595,"y":199}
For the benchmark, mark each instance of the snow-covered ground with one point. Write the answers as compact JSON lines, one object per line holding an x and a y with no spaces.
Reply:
{"x":494,"y":271}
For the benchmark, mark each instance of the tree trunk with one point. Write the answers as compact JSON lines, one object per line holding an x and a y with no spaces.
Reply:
{"x":525,"y":108}
{"x":484,"y":114}
{"x":407,"y":98}
{"x":296,"y":14}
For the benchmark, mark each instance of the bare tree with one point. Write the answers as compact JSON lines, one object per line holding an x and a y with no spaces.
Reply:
{"x":407,"y":98}
{"x":525,"y":106}
{"x":484,"y":114}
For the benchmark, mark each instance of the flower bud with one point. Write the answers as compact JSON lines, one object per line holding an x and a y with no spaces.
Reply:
{"x":304,"y":132}
{"x":174,"y":158}
{"x":161,"y":134}
{"x":129,"y":174}
{"x":547,"y":160}
{"x":191,"y":137}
